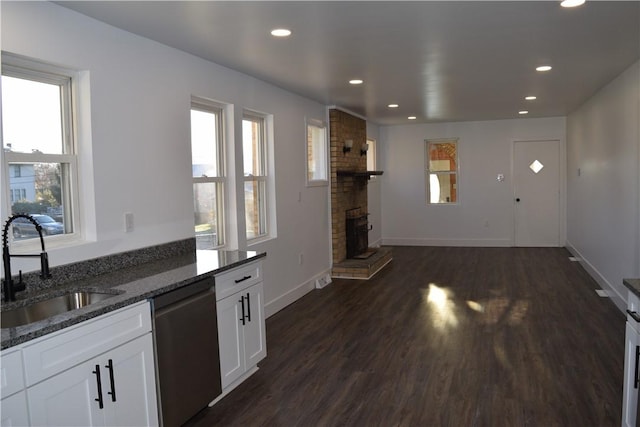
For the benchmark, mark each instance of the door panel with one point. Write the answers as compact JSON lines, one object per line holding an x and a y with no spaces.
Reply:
{"x":67,"y":399}
{"x":254,"y":333}
{"x":536,"y":166}
{"x":230,"y":335}
{"x":133,"y":382}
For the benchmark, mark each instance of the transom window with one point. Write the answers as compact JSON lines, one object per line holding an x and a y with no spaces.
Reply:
{"x":442,"y":171}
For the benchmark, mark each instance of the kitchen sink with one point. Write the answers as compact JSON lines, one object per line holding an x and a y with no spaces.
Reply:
{"x":50,"y":307}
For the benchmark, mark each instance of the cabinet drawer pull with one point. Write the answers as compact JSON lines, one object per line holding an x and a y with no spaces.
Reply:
{"x":112,"y":380}
{"x":99,"y":382}
{"x":242,"y":303}
{"x":243,"y":279}
{"x":635,"y":374}
{"x":248,"y":308}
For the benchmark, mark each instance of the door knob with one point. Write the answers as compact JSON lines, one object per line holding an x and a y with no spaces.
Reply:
{"x":518,"y":199}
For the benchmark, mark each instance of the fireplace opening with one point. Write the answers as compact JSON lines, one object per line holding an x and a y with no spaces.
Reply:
{"x":357,"y":234}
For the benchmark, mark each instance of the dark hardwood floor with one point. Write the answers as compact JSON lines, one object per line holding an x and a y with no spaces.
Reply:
{"x":441,"y":337}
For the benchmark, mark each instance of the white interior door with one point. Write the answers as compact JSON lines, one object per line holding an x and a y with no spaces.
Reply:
{"x":536,"y":168}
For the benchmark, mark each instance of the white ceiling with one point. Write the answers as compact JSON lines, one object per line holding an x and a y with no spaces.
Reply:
{"x":440,"y":61}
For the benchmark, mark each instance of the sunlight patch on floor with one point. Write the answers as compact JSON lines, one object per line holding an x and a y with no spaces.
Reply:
{"x":442,"y":305}
{"x":500,"y":309}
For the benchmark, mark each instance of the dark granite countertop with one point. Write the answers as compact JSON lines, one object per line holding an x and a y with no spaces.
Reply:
{"x":633,"y":285}
{"x":130,"y":285}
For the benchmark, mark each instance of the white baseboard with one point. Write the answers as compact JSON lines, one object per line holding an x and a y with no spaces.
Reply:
{"x":274,"y":306}
{"x":619,"y":300}
{"x":447,"y":242}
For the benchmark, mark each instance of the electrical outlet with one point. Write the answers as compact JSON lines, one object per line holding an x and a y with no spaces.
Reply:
{"x":128,"y":222}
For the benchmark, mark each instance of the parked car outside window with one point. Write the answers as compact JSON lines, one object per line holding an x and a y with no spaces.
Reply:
{"x":23,"y":228}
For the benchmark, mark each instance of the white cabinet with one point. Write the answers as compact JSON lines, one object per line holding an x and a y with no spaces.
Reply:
{"x":14,"y":400}
{"x":631,"y":381}
{"x":97,"y":373}
{"x":112,"y":389}
{"x":14,"y":410}
{"x":241,"y":324}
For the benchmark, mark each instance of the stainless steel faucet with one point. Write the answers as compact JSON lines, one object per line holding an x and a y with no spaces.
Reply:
{"x":9,"y":287}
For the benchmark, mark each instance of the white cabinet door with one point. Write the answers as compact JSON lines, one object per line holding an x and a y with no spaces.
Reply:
{"x":14,"y":410}
{"x":134,"y":403}
{"x":230,"y":337}
{"x":125,"y":390}
{"x":255,"y":342}
{"x":68,"y":399}
{"x":630,"y":390}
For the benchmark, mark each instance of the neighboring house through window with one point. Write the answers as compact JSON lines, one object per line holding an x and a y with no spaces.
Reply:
{"x":442,"y":171}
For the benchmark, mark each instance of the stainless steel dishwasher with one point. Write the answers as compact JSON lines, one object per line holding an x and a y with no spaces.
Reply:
{"x":187,"y":358}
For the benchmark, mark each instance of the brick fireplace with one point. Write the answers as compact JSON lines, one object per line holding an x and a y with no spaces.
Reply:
{"x":349,"y":180}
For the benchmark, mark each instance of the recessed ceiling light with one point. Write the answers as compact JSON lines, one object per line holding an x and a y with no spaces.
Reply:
{"x":571,"y":3}
{"x":523,"y":112}
{"x":356,"y":81}
{"x":530,"y":98}
{"x":411,"y":117}
{"x":281,"y":32}
{"x":392,"y":105}
{"x":543,"y":68}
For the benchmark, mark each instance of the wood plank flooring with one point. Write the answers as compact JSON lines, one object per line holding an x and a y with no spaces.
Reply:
{"x":441,"y":337}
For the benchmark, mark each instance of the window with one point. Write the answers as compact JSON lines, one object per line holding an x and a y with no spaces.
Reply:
{"x":254,"y":150}
{"x":316,"y":153}
{"x":442,"y":171}
{"x":38,"y":147}
{"x":371,"y":155}
{"x":207,"y":161}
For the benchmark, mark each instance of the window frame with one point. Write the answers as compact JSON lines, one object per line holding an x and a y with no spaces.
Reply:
{"x":262,"y":178}
{"x":31,"y":69}
{"x":209,"y":106}
{"x":428,"y":172}
{"x":372,"y":153}
{"x":321,"y":163}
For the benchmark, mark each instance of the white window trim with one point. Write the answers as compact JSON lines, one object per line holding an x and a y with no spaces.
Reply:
{"x":26,"y":68}
{"x":428,"y":172}
{"x":325,"y":161}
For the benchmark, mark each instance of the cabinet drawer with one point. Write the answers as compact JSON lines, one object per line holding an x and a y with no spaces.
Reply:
{"x":64,"y":349}
{"x":232,"y":281}
{"x":11,"y":379}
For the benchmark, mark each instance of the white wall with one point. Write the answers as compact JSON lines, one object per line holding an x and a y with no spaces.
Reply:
{"x":603,"y":205}
{"x":138,"y":142}
{"x":374,"y":196}
{"x":484,"y":216}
